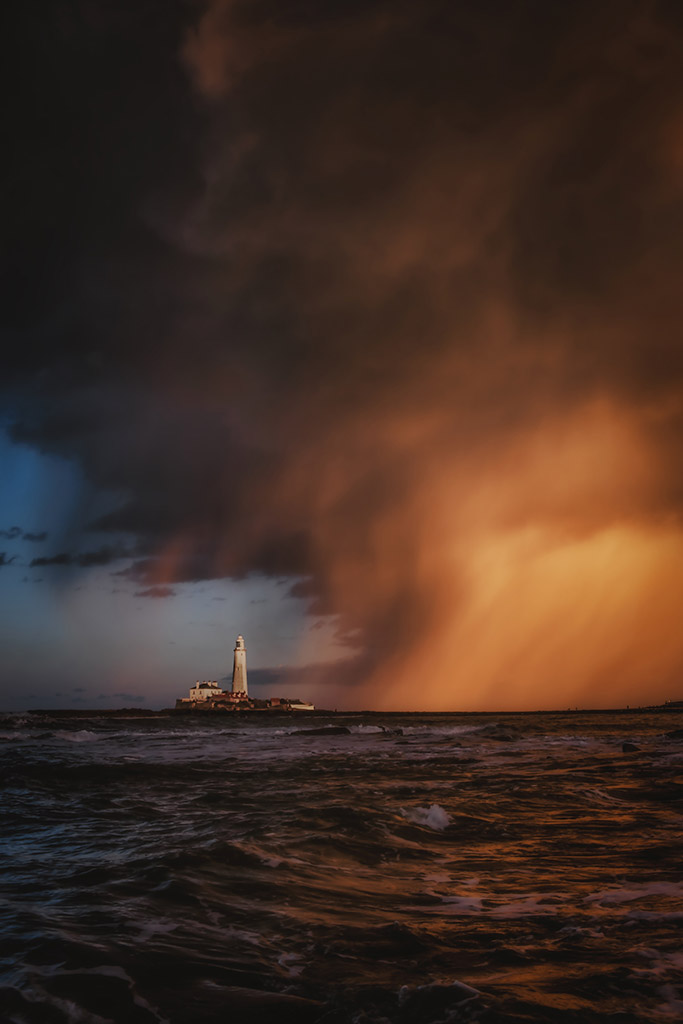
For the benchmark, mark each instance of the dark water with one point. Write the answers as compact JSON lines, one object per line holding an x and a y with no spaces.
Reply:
{"x":512,"y":868}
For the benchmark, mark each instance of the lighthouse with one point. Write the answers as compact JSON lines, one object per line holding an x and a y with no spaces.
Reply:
{"x":239,"y":668}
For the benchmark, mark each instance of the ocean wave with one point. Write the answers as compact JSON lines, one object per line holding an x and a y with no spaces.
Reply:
{"x":631,"y":893}
{"x":447,"y":730}
{"x":363,"y":870}
{"x":78,"y":736}
{"x":434,"y":817}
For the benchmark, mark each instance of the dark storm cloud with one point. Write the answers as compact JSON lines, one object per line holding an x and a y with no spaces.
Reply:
{"x":61,"y":559}
{"x":189,"y":559}
{"x":84,"y":560}
{"x":16,"y":533}
{"x":103,"y":556}
{"x":294,"y":281}
{"x":324,"y":133}
{"x":98,"y":111}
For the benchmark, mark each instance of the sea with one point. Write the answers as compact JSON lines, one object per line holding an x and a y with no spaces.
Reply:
{"x":341,"y":868}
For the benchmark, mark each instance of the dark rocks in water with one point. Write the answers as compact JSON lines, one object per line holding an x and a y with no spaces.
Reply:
{"x":325,"y":730}
{"x":628,"y":748}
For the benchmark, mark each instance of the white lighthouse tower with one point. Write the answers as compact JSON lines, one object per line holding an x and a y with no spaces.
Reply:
{"x":239,"y":668}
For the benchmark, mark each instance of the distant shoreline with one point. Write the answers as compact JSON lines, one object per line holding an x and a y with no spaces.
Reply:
{"x":670,"y":708}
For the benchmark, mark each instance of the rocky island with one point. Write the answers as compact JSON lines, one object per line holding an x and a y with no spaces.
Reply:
{"x":208,"y":695}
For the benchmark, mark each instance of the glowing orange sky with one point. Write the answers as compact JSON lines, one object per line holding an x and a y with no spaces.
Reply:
{"x":535,"y":573}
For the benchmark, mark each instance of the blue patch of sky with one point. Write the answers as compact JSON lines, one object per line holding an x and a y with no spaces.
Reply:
{"x":46,"y":493}
{"x":39,"y":492}
{"x":67,"y":627}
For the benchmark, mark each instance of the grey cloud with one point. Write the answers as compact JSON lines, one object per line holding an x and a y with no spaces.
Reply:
{"x":12,"y":533}
{"x":85,"y":559}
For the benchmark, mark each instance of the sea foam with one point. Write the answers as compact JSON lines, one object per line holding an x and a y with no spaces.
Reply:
{"x":433,"y":817}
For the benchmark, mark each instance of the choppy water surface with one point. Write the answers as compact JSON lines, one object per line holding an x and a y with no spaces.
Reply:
{"x":411,"y":869}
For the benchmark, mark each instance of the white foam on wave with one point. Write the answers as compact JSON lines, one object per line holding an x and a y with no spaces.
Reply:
{"x":575,"y":931}
{"x":564,"y":739}
{"x":673,"y":1004}
{"x":446,"y":730}
{"x":526,"y":906}
{"x":609,"y":897}
{"x":655,"y":915}
{"x":457,"y":992}
{"x":463,"y":904}
{"x":671,"y":759}
{"x":599,"y":796}
{"x":157,"y":926}
{"x":662,"y":965}
{"x":521,"y":905}
{"x":80,"y":736}
{"x":291,"y":963}
{"x":433,"y":817}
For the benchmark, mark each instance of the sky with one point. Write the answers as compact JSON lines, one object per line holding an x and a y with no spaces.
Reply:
{"x":352,"y":327}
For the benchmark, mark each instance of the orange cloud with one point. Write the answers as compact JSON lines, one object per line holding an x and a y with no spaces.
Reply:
{"x":539,"y":571}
